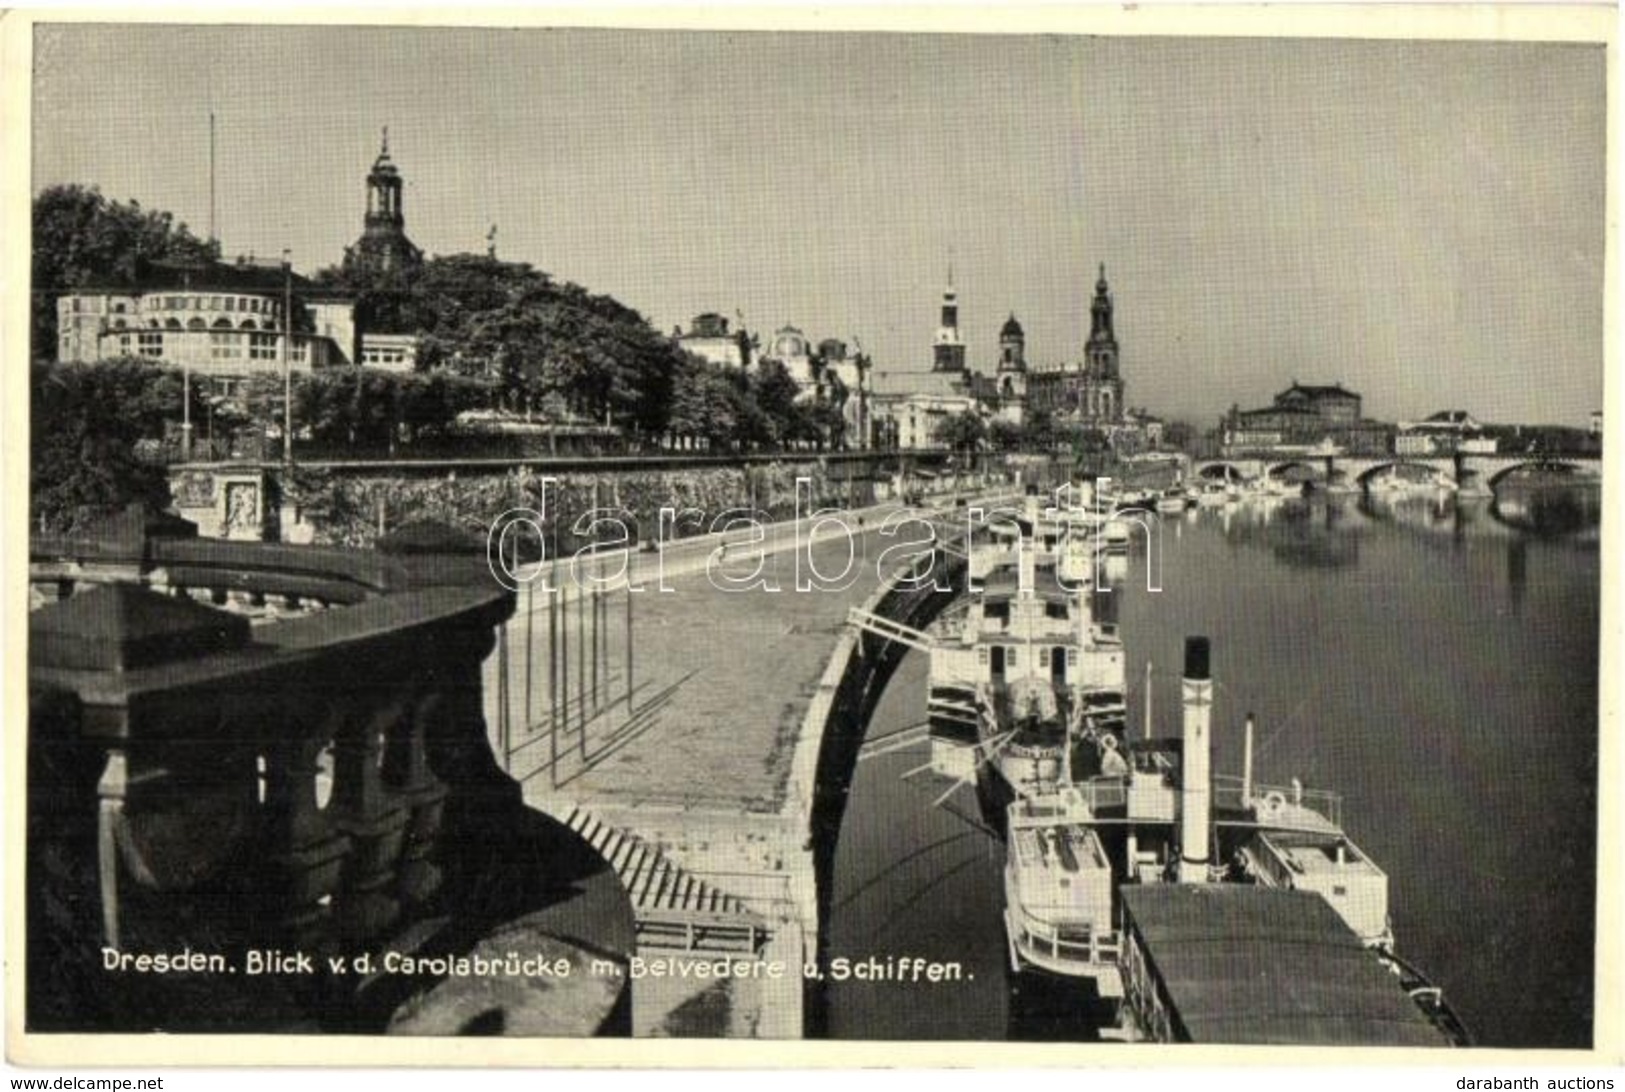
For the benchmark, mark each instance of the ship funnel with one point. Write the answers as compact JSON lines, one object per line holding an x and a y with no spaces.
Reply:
{"x":1195,"y":806}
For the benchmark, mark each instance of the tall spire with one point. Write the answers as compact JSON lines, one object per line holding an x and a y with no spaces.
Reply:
{"x":1101,"y":311}
{"x":1101,"y":349}
{"x":383,"y":152}
{"x":948,"y":351}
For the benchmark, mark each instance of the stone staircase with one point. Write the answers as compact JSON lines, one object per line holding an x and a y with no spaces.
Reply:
{"x":673,"y":908}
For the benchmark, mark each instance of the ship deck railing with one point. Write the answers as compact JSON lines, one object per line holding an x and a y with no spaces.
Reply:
{"x":1279,"y":805}
{"x":1068,"y":950}
{"x":1274,"y":806}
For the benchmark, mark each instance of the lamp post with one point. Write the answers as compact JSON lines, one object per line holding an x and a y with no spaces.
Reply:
{"x":287,"y":367}
{"x":186,"y":410}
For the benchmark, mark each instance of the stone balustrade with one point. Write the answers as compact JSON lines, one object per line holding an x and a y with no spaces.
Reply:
{"x":311,"y":782}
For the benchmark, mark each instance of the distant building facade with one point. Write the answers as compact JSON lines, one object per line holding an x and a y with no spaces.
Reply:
{"x":1302,"y":417}
{"x":225,"y":319}
{"x":1090,"y":391}
{"x":1444,"y":433}
{"x":709,"y":339}
{"x":910,"y":408}
{"x":390,"y":352}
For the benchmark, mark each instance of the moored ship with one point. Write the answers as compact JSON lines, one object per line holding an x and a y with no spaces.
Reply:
{"x":1027,"y":681}
{"x":1263,"y":873}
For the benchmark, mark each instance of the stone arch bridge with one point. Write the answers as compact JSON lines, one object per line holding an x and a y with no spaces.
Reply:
{"x":1464,"y":470}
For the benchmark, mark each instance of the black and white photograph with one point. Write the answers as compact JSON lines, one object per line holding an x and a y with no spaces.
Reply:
{"x":1081,"y":533}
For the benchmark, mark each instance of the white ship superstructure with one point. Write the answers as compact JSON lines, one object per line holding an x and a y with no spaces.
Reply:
{"x":1028,"y":666}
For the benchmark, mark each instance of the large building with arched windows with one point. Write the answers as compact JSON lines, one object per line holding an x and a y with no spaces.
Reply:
{"x":227,"y":319}
{"x":224,"y":318}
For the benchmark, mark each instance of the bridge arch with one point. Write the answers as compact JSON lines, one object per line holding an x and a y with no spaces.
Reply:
{"x":1376,"y":469}
{"x":1316,"y":468}
{"x":1580,"y":471}
{"x":1221,"y":470}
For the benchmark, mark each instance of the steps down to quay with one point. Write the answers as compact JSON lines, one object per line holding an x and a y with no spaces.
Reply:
{"x":673,"y":908}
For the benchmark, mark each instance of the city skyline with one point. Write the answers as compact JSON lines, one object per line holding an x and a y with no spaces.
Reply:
{"x":1379,"y":214}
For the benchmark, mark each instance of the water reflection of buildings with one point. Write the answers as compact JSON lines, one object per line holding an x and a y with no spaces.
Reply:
{"x":1300,"y":534}
{"x":1569,"y":511}
{"x":1324,"y":532}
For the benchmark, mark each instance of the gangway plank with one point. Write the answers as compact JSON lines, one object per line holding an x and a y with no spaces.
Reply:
{"x":893,"y":631}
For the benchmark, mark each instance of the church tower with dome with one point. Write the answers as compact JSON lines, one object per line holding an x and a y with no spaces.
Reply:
{"x":383,"y":246}
{"x":1011,"y":377}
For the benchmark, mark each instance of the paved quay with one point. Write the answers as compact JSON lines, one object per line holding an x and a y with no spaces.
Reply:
{"x":721,"y":678}
{"x":695,"y":789}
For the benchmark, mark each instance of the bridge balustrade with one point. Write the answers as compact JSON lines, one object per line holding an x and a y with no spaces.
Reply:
{"x":318,"y":783}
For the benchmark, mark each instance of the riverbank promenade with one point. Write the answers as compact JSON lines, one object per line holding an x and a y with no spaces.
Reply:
{"x":678,"y":740}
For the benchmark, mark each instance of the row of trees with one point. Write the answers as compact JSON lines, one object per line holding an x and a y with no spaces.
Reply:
{"x":556,"y":350}
{"x":1039,"y":432}
{"x":102,"y":433}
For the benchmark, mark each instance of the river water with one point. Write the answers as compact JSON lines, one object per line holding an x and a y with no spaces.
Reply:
{"x":1435,"y":662}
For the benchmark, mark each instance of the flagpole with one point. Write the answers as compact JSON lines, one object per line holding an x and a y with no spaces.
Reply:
{"x":287,"y":366}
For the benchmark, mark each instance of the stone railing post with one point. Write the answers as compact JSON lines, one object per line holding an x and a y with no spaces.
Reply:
{"x":307,"y":852}
{"x":372,"y":815}
{"x":406,"y":767}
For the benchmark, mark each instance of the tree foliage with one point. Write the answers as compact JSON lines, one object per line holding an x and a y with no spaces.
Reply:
{"x":1005,"y":435}
{"x":549,"y":346}
{"x":88,"y":426}
{"x":381,"y":409}
{"x":961,"y":431}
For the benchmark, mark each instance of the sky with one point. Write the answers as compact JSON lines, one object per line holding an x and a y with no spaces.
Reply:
{"x":1420,"y":221}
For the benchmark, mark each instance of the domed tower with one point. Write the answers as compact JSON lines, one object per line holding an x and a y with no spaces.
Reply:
{"x":1012,"y":371}
{"x":948,"y":353}
{"x":1012,"y":346}
{"x":383,"y":246}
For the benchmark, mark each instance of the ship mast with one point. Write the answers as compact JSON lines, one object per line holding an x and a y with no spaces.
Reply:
{"x":1148,"y":699}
